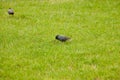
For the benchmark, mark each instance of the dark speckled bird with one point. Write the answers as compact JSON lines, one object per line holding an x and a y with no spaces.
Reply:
{"x":62,"y":38}
{"x":10,"y":11}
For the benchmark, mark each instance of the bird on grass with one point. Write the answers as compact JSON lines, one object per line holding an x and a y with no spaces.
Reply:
{"x":62,"y":38}
{"x":10,"y":11}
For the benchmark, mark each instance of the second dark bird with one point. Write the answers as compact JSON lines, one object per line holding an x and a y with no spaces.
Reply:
{"x":62,"y":38}
{"x":10,"y":11}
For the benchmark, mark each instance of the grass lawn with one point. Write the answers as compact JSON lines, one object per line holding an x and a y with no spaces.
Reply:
{"x":29,"y":51}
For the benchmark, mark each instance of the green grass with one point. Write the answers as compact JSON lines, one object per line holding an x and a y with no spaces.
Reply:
{"x":29,"y":51}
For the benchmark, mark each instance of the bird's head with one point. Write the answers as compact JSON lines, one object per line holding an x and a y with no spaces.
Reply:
{"x":56,"y":36}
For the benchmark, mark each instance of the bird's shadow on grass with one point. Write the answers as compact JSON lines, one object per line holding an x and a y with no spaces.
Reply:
{"x":19,"y":17}
{"x":56,"y":42}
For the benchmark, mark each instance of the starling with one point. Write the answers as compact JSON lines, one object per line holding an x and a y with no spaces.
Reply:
{"x":10,"y":11}
{"x":62,"y":38}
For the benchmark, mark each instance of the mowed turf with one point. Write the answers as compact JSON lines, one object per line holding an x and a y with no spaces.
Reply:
{"x":29,"y":51}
